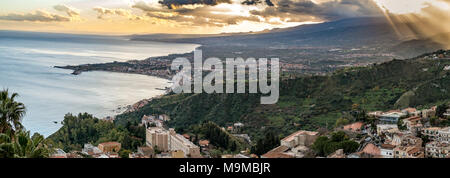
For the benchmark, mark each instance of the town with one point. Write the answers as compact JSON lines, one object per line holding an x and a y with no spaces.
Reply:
{"x":406,"y":133}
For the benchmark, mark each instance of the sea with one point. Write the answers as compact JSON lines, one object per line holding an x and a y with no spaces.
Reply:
{"x":27,"y":61}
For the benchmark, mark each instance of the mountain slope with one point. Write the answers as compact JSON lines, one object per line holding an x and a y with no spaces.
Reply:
{"x":316,"y":101}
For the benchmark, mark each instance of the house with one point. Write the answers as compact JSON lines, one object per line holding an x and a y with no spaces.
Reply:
{"x":437,"y":149}
{"x":401,"y":139}
{"x":293,"y":146}
{"x":386,"y":128}
{"x":391,"y":117}
{"x":428,"y":113}
{"x":413,"y":124}
{"x":354,"y":127}
{"x":370,"y":150}
{"x":59,"y":153}
{"x":409,"y":152}
{"x":411,"y":112}
{"x":146,"y":152}
{"x":387,"y":150}
{"x":90,"y":149}
{"x":444,"y":135}
{"x":109,"y":147}
{"x":203,"y":143}
{"x":431,"y":132}
{"x":437,"y":133}
{"x":177,"y":154}
{"x":278,"y":152}
{"x":303,"y":138}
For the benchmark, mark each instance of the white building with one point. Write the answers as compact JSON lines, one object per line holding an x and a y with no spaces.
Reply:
{"x":387,"y":150}
{"x":436,"y":149}
{"x":382,"y":128}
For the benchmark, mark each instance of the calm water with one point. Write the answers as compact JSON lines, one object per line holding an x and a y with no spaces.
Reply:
{"x":26,"y":67}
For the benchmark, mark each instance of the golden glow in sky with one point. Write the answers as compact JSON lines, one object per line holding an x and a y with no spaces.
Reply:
{"x":409,"y":6}
{"x":151,"y":16}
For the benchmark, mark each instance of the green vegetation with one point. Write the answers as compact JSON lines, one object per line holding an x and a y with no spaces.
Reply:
{"x":266,"y":144}
{"x":312,"y":102}
{"x":217,"y":137}
{"x":84,"y":128}
{"x":23,"y":146}
{"x":324,"y":146}
{"x":11,"y":113}
{"x":15,"y":142}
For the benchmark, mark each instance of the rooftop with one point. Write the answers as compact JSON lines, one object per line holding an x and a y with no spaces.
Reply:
{"x":301,"y":132}
{"x":278,"y":152}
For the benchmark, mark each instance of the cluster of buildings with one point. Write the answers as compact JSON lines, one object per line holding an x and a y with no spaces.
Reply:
{"x":154,"y":120}
{"x":413,"y":137}
{"x":390,"y":141}
{"x":170,"y":144}
{"x":103,"y":150}
{"x":295,"y":145}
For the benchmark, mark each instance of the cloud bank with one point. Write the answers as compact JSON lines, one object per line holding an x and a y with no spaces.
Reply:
{"x":37,"y":16}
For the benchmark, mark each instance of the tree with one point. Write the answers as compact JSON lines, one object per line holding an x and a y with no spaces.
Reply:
{"x":6,"y":147}
{"x":341,"y":122}
{"x":441,"y":109}
{"x":124,"y":153}
{"x":23,"y":146}
{"x":266,"y":144}
{"x":11,"y":113}
{"x":401,"y":124}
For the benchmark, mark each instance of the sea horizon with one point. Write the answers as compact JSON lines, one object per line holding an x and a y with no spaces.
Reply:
{"x":27,"y":67}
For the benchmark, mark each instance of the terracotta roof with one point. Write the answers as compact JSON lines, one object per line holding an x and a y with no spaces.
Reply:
{"x":371,"y":149}
{"x":203,"y":142}
{"x":277,"y":152}
{"x":410,"y":110}
{"x":354,"y":126}
{"x":414,"y":150}
{"x":109,"y":143}
{"x":387,"y":146}
{"x":300,"y":132}
{"x":414,"y":118}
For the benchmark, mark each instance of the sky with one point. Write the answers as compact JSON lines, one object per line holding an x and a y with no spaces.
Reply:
{"x":205,"y":16}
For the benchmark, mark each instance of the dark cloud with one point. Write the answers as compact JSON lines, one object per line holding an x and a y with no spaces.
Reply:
{"x":177,"y":3}
{"x":37,"y":16}
{"x":254,"y":2}
{"x":68,"y":10}
{"x":301,"y":10}
{"x":198,"y":16}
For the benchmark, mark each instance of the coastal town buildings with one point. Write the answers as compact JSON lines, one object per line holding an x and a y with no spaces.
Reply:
{"x":158,"y":138}
{"x":387,"y":150}
{"x":386,"y":128}
{"x":168,"y":140}
{"x":391,"y":117}
{"x":293,"y":146}
{"x":437,"y":133}
{"x":413,"y":124}
{"x":437,"y":149}
{"x":108,"y":147}
{"x":354,"y":127}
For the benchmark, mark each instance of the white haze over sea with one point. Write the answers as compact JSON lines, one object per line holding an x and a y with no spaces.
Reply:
{"x":26,"y":67}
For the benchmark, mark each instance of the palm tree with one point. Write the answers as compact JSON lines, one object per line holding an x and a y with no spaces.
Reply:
{"x":11,"y":113}
{"x":6,"y":147}
{"x":23,"y":146}
{"x":30,"y":147}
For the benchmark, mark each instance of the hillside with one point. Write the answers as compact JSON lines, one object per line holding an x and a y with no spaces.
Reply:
{"x":312,"y":102}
